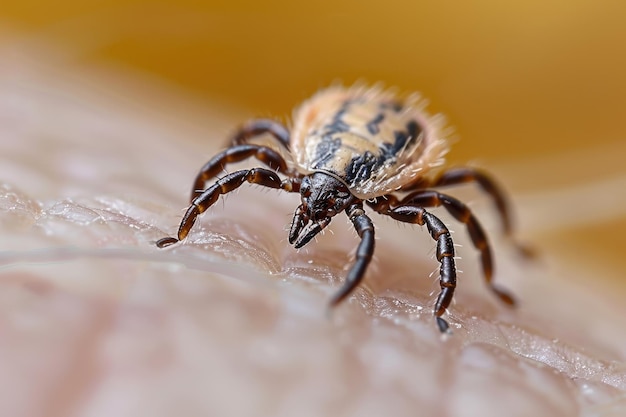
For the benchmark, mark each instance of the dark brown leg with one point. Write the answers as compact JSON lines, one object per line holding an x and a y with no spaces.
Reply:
{"x":237,"y":153}
{"x":429,"y":198}
{"x":258,"y":127}
{"x":230,"y":182}
{"x":458,"y":176}
{"x":365,"y":229}
{"x":413,"y":213}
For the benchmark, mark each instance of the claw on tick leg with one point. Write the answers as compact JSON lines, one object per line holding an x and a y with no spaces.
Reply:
{"x":444,"y":327}
{"x":166,"y":241}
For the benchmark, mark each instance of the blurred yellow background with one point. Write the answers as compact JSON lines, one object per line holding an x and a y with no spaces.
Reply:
{"x":517,"y":80}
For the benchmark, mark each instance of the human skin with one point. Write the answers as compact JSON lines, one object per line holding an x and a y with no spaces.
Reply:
{"x":97,"y":321}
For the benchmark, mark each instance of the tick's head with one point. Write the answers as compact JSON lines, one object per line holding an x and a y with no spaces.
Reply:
{"x":323,"y":196}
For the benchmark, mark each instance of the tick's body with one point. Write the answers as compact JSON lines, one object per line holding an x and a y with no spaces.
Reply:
{"x":369,"y":139}
{"x":350,"y":147}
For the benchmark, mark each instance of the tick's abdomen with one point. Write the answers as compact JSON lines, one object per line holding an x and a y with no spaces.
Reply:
{"x":370,"y":139}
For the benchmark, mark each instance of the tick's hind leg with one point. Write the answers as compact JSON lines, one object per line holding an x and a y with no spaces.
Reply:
{"x":412,"y":213}
{"x":464,"y":175}
{"x":430,"y":198}
{"x":230,"y":182}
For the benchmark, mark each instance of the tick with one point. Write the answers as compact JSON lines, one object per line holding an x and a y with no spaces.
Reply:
{"x":350,"y":148}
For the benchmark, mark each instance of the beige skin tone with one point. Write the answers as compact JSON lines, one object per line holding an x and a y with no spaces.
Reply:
{"x":95,"y":320}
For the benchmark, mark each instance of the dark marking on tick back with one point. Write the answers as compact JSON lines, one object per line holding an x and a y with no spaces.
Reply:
{"x":372,"y":125}
{"x":396,"y":106}
{"x":402,"y":139}
{"x":337,"y":125}
{"x":326,"y":149}
{"x":360,"y":167}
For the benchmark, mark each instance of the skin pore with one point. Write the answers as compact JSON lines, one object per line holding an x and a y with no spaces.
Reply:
{"x":95,"y":320}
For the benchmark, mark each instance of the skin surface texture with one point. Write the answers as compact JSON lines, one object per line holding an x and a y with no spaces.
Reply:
{"x":97,"y":321}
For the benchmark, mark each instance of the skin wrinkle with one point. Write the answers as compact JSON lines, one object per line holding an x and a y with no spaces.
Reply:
{"x":202,"y":327}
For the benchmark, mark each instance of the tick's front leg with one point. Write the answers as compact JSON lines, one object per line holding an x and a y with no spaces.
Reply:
{"x":230,"y":182}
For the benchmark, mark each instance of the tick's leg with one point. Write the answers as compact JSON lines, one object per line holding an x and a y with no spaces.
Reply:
{"x":458,"y":176}
{"x":259,"y":127}
{"x":413,"y":213}
{"x":464,"y":175}
{"x":365,"y":229}
{"x":230,"y":182}
{"x":430,"y":198}
{"x":237,"y":153}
